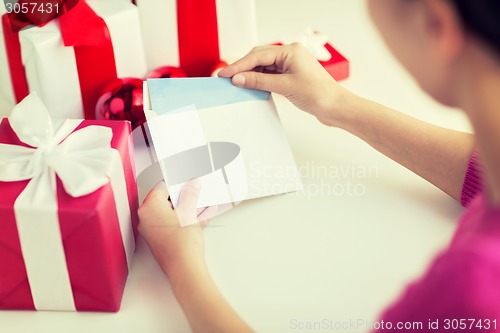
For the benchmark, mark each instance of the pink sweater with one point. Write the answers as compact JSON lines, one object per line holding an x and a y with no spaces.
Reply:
{"x":460,"y":292}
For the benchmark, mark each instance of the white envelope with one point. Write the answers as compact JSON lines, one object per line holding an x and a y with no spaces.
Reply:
{"x":238,"y":149}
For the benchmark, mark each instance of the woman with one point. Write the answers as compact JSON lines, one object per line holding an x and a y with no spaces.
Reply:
{"x":452,"y":48}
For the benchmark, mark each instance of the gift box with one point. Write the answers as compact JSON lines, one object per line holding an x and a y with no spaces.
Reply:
{"x":68,"y":211}
{"x":319,"y":46}
{"x":74,"y":56}
{"x":7,"y":93}
{"x":196,"y":34}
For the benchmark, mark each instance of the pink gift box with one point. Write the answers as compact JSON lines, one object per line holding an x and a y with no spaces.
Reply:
{"x":93,"y":231}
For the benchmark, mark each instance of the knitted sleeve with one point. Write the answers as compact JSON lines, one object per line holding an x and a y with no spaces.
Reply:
{"x":472,"y":181}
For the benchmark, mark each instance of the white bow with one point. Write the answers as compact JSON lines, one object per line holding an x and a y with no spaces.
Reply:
{"x":81,"y":159}
{"x":84,"y":161}
{"x":313,"y":41}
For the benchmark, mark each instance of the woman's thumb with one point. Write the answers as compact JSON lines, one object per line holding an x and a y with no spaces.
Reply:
{"x":276,"y":83}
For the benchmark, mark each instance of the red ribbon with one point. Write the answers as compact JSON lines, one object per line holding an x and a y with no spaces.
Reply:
{"x":94,"y":53}
{"x":38,"y":13}
{"x":16,"y":67}
{"x":198,"y":36}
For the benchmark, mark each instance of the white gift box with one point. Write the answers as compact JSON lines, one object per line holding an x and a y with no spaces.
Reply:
{"x":237,"y":30}
{"x":51,"y":68}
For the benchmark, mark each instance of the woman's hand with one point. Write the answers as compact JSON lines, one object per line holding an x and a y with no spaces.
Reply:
{"x":294,"y":73}
{"x":160,"y":225}
{"x":180,"y":253}
{"x":438,"y":155}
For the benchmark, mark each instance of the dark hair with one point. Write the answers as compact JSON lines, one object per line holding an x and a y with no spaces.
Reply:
{"x":482,"y":18}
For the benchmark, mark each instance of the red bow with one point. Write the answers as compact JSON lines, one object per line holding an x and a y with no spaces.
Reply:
{"x":27,"y":13}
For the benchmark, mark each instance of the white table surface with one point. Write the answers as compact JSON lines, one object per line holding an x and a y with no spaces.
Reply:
{"x":337,"y":255}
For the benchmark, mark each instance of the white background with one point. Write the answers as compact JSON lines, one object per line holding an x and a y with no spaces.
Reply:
{"x":306,"y":257}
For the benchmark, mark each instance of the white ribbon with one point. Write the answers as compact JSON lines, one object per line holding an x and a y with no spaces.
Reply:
{"x":313,"y":41}
{"x":84,"y":161}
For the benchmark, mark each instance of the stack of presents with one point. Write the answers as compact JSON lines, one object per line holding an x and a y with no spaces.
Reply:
{"x":70,"y":94}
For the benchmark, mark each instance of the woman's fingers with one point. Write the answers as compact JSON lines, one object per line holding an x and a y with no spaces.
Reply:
{"x":262,"y":81}
{"x":189,"y":196}
{"x":258,"y":57}
{"x":159,"y":192}
{"x":208,"y":213}
{"x":188,"y":200}
{"x":281,"y":69}
{"x":156,"y":210}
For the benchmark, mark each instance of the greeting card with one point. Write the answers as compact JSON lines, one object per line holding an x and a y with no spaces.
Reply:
{"x":228,"y":137}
